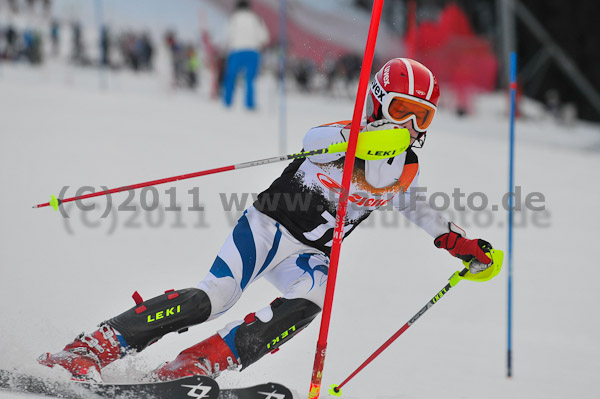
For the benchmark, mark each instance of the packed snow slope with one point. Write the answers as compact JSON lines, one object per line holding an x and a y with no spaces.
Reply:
{"x":60,"y":276}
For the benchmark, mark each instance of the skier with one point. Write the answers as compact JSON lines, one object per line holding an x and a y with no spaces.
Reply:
{"x":286,"y":237}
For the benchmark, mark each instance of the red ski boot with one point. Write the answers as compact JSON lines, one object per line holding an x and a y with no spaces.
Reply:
{"x":208,"y":357}
{"x":87,"y":354}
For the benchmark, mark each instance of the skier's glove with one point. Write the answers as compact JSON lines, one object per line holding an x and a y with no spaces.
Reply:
{"x":465,"y":249}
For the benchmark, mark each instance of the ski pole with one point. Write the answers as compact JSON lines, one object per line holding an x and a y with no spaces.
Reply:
{"x":377,"y":144}
{"x":497,"y":257}
{"x":336,"y":390}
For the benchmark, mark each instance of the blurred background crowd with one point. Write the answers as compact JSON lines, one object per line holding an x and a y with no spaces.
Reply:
{"x":316,"y":47}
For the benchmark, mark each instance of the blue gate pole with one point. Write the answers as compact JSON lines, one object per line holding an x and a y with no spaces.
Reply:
{"x":511,"y":190}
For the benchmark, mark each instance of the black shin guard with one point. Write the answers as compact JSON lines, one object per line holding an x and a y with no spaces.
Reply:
{"x":255,"y":338}
{"x":150,"y":320}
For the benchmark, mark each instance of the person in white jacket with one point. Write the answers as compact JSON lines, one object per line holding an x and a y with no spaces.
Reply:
{"x":285,"y":237}
{"x":246,"y":36}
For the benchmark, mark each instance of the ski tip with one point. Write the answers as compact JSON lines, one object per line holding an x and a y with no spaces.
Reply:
{"x":334,"y":390}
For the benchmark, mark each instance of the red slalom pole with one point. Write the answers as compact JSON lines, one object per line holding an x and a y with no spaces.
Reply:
{"x":317,"y":374}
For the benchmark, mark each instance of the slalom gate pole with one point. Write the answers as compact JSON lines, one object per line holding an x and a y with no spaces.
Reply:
{"x":454,"y":279}
{"x":511,"y":189}
{"x":319,"y":363}
{"x":378,"y":144}
{"x":282,"y":28}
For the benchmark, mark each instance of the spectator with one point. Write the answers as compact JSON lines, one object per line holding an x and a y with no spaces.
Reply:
{"x":193,"y":64}
{"x":303,"y":71}
{"x":10,"y":50}
{"x":78,"y":50}
{"x":13,"y":6}
{"x":146,"y":50}
{"x":246,"y":35}
{"x":105,"y":47}
{"x":176,"y":49}
{"x":55,"y":36}
{"x":47,"y":4}
{"x":32,"y":46}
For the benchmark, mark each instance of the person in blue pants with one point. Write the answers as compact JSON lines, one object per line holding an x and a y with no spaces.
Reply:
{"x":246,"y":35}
{"x":247,"y":62}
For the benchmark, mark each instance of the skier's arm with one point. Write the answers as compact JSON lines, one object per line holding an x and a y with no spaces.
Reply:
{"x":338,"y":132}
{"x":322,"y":137}
{"x":414,"y":206}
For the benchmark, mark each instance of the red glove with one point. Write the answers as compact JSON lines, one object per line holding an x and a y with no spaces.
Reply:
{"x":463,"y":248}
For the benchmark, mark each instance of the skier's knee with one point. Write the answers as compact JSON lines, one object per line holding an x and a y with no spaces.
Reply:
{"x":150,"y":320}
{"x":266,"y":330}
{"x":223,"y":292}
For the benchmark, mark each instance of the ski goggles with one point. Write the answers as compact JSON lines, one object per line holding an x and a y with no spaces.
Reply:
{"x":400,"y":108}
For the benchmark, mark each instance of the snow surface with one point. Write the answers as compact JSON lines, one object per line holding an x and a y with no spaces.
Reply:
{"x":59,"y":277}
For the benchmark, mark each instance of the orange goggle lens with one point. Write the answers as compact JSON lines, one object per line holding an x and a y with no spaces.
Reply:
{"x":401,"y":108}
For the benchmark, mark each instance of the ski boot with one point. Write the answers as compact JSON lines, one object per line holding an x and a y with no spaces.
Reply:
{"x":208,"y":357}
{"x":242,"y":343}
{"x":131,"y":331}
{"x":87,"y":354}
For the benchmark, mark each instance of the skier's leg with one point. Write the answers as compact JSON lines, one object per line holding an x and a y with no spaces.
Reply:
{"x":132,"y":330}
{"x":252,"y":61}
{"x":232,"y":67}
{"x":302,"y":278}
{"x":255,"y":247}
{"x":247,"y":254}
